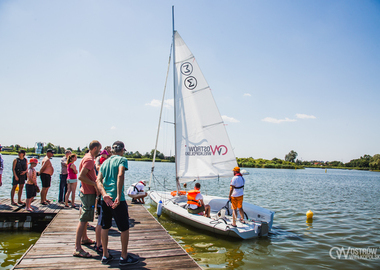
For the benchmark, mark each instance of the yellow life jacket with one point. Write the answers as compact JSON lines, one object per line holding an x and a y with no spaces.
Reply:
{"x":191,"y":197}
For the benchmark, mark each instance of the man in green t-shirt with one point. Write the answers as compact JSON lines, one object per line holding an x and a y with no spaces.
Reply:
{"x":110,"y":183}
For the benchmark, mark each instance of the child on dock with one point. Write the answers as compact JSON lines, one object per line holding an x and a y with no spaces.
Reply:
{"x":71,"y":180}
{"x":31,"y":185}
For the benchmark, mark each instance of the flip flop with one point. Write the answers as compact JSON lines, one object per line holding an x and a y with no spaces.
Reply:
{"x":44,"y":203}
{"x":234,"y":226}
{"x":81,"y":253}
{"x":14,"y":204}
{"x":87,"y":242}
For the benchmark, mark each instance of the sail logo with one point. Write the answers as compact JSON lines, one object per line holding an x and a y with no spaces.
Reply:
{"x":190,"y":82}
{"x":220,"y":150}
{"x":186,"y":68}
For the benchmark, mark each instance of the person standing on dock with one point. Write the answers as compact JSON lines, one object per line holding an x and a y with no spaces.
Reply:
{"x":45,"y":173}
{"x":236,"y":195}
{"x":31,"y":185}
{"x":87,"y":195}
{"x":63,"y":177}
{"x":1,"y":166}
{"x":110,"y":182}
{"x":20,"y":169}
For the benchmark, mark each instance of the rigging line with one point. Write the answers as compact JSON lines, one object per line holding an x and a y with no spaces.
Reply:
{"x":162,"y":185}
{"x":159,"y":121}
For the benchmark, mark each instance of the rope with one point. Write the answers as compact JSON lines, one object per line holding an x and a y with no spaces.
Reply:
{"x":159,"y":121}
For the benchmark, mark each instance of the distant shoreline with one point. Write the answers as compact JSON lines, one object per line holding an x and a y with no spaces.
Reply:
{"x":241,"y":164}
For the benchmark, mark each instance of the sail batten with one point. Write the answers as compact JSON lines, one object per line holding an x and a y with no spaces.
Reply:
{"x":203,"y":148}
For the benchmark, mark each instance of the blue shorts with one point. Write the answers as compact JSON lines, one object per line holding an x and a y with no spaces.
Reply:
{"x":120,"y":214}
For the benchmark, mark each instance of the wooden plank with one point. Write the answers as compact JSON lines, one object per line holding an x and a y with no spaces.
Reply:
{"x":148,"y":240}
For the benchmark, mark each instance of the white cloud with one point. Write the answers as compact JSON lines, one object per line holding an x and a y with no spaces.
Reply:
{"x":305,"y":116}
{"x":113,"y":127}
{"x":229,"y":119}
{"x":156,"y":103}
{"x":247,"y":95}
{"x":277,"y":121}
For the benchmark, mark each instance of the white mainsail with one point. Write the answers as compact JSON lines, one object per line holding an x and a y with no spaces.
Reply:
{"x":203,"y":147}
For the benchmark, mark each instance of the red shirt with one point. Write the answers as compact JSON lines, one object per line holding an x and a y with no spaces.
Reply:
{"x":88,"y":162}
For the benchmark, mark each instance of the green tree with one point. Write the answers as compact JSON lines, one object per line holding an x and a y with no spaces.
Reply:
{"x":291,"y":156}
{"x":137,"y":154}
{"x":375,"y":162}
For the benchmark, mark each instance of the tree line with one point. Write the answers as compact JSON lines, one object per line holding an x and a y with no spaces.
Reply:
{"x":290,"y":161}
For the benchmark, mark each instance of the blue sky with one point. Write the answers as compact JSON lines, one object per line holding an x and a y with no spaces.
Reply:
{"x":286,"y":75}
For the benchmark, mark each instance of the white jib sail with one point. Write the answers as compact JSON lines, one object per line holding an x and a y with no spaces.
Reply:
{"x":203,"y":147}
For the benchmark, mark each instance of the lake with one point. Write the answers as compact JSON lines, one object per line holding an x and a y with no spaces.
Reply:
{"x":346,"y":219}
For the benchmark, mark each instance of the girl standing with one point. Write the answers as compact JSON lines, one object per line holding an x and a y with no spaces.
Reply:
{"x":71,"y":180}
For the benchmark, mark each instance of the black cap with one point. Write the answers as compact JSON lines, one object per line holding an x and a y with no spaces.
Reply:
{"x":50,"y":151}
{"x":22,"y":151}
{"x":118,"y":146}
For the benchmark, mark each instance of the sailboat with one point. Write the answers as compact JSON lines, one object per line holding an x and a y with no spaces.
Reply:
{"x":203,"y":151}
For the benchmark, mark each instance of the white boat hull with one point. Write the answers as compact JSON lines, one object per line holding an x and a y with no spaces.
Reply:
{"x":260,"y":220}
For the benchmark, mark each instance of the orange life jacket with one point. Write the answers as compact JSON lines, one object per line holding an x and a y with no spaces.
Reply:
{"x":191,"y":197}
{"x":181,"y":192}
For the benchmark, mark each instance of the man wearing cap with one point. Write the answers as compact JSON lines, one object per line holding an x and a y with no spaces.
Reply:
{"x":110,"y":182}
{"x":1,"y":165}
{"x":87,"y":196}
{"x":20,"y":169}
{"x":136,"y":192}
{"x":63,"y":177}
{"x":45,"y":173}
{"x":236,"y":195}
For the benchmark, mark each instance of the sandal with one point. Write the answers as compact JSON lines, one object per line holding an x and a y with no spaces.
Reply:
{"x":44,"y":203}
{"x":87,"y":242}
{"x":234,"y":226}
{"x":99,"y":249}
{"x":14,"y":204}
{"x":81,"y":253}
{"x":242,"y":221}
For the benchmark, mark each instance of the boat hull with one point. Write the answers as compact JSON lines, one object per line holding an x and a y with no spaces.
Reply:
{"x":175,"y":208}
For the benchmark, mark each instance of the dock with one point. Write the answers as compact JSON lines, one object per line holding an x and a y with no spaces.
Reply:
{"x":148,"y":241}
{"x":16,"y":217}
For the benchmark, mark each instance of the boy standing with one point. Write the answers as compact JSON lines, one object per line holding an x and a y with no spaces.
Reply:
{"x":31,"y":184}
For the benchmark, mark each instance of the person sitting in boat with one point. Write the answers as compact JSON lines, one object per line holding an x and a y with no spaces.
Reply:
{"x":136,"y":192}
{"x":236,"y":195}
{"x":195,"y":204}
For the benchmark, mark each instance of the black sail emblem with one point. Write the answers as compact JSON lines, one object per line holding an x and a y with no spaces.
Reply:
{"x":186,"y":68}
{"x":190,"y":82}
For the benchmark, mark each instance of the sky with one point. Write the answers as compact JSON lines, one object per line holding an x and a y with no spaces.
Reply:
{"x":285,"y":75}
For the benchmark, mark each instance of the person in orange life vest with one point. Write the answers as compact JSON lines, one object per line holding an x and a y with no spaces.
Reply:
{"x":236,"y":195}
{"x":195,"y":202}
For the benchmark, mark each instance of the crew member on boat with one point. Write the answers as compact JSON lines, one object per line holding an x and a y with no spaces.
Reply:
{"x":195,"y":204}
{"x":236,"y":195}
{"x":137,"y":193}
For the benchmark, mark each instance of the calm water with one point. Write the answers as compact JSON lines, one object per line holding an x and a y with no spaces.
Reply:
{"x":346,"y":215}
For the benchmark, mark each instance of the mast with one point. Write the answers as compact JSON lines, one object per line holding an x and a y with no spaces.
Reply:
{"x":175,"y":114}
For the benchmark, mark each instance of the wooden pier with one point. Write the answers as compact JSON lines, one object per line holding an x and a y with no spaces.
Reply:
{"x":148,"y":241}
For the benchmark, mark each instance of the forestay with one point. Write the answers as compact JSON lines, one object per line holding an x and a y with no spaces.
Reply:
{"x":203,"y":147}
